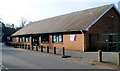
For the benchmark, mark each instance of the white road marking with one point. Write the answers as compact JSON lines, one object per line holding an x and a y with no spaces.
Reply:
{"x":3,"y":67}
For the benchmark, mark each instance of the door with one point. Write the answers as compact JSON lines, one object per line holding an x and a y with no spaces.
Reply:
{"x":35,"y":41}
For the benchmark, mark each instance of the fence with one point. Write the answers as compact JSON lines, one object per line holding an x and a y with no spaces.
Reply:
{"x":108,"y":42}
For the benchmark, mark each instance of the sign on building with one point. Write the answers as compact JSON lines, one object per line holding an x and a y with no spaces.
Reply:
{"x":72,"y":37}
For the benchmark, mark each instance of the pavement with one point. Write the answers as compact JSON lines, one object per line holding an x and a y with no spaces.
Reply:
{"x":23,"y":58}
{"x":109,"y":59}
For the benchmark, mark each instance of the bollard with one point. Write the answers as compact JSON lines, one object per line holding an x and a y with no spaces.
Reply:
{"x":23,"y":46}
{"x":20,"y":45}
{"x":28,"y":47}
{"x":63,"y":51}
{"x":99,"y":55}
{"x":14,"y":46}
{"x":32,"y":47}
{"x":118,"y":59}
{"x":54,"y":50}
{"x":41,"y":48}
{"x":36,"y":48}
{"x":17,"y":45}
{"x":47,"y":49}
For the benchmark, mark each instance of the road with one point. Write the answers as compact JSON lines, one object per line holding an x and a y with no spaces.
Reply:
{"x":13,"y":58}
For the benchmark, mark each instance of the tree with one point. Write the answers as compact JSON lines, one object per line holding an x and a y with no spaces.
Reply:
{"x":23,"y":21}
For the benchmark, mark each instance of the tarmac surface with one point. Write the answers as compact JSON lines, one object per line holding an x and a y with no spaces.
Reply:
{"x":16,"y":58}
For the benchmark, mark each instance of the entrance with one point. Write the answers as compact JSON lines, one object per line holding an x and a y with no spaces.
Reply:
{"x":35,"y":41}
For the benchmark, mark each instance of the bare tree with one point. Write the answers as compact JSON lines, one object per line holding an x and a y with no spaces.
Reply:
{"x":23,"y":21}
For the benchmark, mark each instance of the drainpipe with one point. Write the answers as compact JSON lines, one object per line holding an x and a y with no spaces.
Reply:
{"x":83,"y":40}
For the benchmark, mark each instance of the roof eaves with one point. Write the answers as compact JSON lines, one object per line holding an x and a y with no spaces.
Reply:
{"x":99,"y":18}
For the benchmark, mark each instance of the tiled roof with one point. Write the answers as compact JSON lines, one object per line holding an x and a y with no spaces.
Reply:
{"x":75,"y":21}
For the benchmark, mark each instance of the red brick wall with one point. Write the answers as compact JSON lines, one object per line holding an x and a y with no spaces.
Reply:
{"x":109,"y":23}
{"x":70,"y":45}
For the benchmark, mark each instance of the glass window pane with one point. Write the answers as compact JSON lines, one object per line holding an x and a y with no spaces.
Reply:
{"x":60,"y":38}
{"x":54,"y":38}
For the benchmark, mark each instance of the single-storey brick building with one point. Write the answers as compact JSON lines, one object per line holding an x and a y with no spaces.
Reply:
{"x":79,"y":30}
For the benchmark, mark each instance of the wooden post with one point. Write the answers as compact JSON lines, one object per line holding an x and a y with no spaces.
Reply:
{"x":23,"y":46}
{"x":63,"y":51}
{"x":28,"y":47}
{"x":41,"y":48}
{"x":32,"y":47}
{"x":36,"y":48}
{"x":99,"y":55}
{"x":54,"y":50}
{"x":47,"y":49}
{"x":20,"y":45}
{"x":118,"y":59}
{"x":14,"y":46}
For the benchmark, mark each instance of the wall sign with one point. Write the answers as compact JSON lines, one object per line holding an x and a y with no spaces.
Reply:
{"x":72,"y":37}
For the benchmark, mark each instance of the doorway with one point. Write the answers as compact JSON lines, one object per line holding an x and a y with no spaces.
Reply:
{"x":35,"y":41}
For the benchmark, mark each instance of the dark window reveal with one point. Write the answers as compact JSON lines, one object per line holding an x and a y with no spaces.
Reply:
{"x":57,"y":38}
{"x":21,"y":39}
{"x":45,"y":39}
{"x":27,"y":39}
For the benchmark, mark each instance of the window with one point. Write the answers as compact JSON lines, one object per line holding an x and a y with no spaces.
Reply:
{"x":57,"y":38}
{"x":27,"y":39}
{"x":20,"y":39}
{"x":45,"y":39}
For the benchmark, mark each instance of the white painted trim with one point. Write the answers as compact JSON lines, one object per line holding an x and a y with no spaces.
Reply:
{"x":117,"y":9}
{"x":98,"y":18}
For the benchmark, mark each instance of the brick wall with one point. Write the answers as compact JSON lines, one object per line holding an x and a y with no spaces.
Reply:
{"x":70,"y":45}
{"x":109,"y":23}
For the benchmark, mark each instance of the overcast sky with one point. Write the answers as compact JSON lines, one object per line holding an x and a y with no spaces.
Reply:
{"x":12,"y":10}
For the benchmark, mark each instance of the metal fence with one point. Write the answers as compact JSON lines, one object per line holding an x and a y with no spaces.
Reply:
{"x":109,"y":42}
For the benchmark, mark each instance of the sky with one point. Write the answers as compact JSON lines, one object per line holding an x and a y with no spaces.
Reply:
{"x":11,"y":11}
